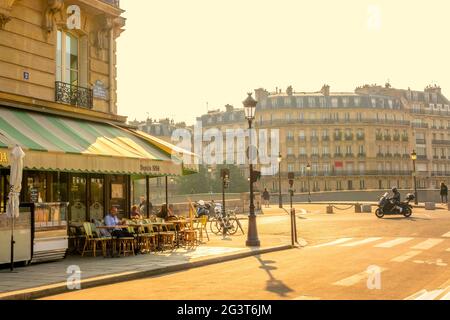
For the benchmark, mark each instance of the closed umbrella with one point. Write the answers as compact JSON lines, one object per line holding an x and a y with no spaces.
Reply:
{"x":15,"y":181}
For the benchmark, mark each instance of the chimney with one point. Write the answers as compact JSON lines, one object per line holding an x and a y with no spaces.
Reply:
{"x":261,"y":94}
{"x":229,"y":108}
{"x":325,"y":90}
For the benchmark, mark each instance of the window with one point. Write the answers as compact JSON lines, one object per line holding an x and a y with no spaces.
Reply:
{"x":290,"y":151}
{"x":334,"y":102}
{"x":302,"y":151}
{"x":291,"y":167}
{"x":67,"y":58}
{"x":315,"y":151}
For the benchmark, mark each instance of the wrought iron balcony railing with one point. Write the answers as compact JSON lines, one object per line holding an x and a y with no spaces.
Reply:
{"x":73,"y":95}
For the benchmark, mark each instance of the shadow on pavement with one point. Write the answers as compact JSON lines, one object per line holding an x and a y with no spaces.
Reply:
{"x":273,"y":285}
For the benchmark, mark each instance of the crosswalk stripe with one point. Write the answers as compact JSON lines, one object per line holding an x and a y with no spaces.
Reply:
{"x":446,"y":297}
{"x":393,"y":243}
{"x":338,"y":241}
{"x":448,"y":250}
{"x":447,"y":235}
{"x":357,"y":243}
{"x":352,"y":280}
{"x":427,"y":244}
{"x":430,"y":295}
{"x":406,"y":256}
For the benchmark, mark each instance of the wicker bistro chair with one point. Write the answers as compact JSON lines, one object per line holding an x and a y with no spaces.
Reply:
{"x":77,"y":239}
{"x":127,"y":244}
{"x":201,"y":226}
{"x":146,"y":239}
{"x":93,"y":239}
{"x":166,"y":237}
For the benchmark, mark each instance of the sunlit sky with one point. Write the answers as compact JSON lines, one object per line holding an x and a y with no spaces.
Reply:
{"x":177,"y":56}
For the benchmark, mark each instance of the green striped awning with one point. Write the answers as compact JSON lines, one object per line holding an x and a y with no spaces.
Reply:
{"x":58,"y":143}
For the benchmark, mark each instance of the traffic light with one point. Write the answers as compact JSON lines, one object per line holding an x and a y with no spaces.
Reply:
{"x":291,"y":177}
{"x":225,"y":174}
{"x":256,"y":176}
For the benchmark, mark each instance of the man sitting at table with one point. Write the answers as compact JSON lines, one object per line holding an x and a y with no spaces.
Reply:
{"x":111,"y":220}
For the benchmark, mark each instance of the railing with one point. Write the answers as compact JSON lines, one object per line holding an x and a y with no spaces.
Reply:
{"x":440,"y":174}
{"x":344,"y":173}
{"x":444,"y":142}
{"x":115,"y":3}
{"x":333,"y":121}
{"x":73,"y":95}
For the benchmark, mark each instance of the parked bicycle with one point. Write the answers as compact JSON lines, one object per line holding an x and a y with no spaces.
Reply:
{"x":230,"y":221}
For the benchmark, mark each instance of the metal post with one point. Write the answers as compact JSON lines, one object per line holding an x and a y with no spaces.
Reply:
{"x":309,"y":189}
{"x":12,"y":241}
{"x":280,"y":197}
{"x":252,"y":237}
{"x":224,"y":226}
{"x":147,"y":195}
{"x":167,"y":192}
{"x":416,"y":201}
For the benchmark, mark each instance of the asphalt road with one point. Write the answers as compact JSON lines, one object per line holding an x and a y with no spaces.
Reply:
{"x":349,"y":256}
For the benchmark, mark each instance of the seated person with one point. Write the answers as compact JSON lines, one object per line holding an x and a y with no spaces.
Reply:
{"x":135,"y":213}
{"x":165,"y":212}
{"x":111,"y":220}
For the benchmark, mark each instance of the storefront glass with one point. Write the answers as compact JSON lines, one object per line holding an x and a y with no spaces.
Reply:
{"x":36,"y":186}
{"x":96,"y":205}
{"x":77,"y":198}
{"x":118,"y":195}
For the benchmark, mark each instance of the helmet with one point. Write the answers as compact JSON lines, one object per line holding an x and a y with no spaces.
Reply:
{"x":394,"y":189}
{"x":201,"y":203}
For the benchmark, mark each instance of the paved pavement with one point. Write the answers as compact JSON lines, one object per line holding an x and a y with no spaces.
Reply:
{"x":349,"y":256}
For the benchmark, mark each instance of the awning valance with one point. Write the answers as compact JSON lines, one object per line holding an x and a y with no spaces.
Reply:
{"x":73,"y":145}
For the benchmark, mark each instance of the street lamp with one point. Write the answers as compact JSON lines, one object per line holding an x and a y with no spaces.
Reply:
{"x":414,"y":158}
{"x":308,"y":170}
{"x":252,"y":234}
{"x":280,"y":198}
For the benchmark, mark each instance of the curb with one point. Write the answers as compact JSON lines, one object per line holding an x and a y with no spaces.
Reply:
{"x":60,"y":288}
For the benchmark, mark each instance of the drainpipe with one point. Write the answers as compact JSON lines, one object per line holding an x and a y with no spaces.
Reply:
{"x":111,"y":71}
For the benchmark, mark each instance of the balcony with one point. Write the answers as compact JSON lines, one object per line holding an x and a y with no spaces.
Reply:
{"x":73,"y":95}
{"x":387,"y":137}
{"x":314,"y":139}
{"x":396,"y":137}
{"x":405,"y":138}
{"x":337,"y":137}
{"x":388,"y":155}
{"x":421,"y":141}
{"x":325,"y":138}
{"x":397,"y":155}
{"x":440,"y":174}
{"x":349,"y":155}
{"x":114,"y":3}
{"x":379,"y":137}
{"x":441,"y":142}
{"x":338,"y":155}
{"x":360,"y":137}
{"x":349,"y":137}
{"x":380,"y":155}
{"x":361,"y":155}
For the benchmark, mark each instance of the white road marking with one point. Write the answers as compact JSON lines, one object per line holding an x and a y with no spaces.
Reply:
{"x":350,"y":281}
{"x":357,"y":243}
{"x":393,"y":243}
{"x":427,"y":244}
{"x":447,"y":235}
{"x":448,"y":250}
{"x":338,"y":241}
{"x":406,"y":256}
{"x":429,"y":295}
{"x":306,"y":298}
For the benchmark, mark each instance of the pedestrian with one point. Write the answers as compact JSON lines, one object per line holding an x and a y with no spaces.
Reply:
{"x":444,"y":193}
{"x":266,"y":198}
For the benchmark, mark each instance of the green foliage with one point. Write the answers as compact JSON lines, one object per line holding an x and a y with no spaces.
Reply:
{"x":206,"y":182}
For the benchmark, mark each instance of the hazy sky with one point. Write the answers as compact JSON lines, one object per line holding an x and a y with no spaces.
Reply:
{"x":178,"y":55}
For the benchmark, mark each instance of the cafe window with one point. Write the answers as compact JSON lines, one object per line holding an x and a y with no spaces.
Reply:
{"x":77,"y":198}
{"x":36,"y":187}
{"x":118,"y":195}
{"x":97,"y":198}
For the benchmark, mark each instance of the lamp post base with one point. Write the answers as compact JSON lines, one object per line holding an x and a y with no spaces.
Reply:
{"x":252,"y":239}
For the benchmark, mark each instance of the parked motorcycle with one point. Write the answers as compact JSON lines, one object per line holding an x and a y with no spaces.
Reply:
{"x":386,"y":207}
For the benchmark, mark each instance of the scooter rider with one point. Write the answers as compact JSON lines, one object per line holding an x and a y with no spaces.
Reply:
{"x":396,"y":199}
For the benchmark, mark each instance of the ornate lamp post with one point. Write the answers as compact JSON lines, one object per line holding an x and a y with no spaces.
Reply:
{"x":280,"y":197}
{"x":308,"y":170}
{"x":414,"y":158}
{"x":252,"y":234}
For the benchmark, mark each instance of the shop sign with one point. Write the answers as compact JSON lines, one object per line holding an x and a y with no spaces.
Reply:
{"x":150,"y":169}
{"x":3,"y":157}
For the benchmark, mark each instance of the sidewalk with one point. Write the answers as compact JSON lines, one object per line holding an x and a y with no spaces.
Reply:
{"x":51,"y":278}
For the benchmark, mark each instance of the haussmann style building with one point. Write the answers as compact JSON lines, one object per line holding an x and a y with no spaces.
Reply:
{"x":58,"y":102}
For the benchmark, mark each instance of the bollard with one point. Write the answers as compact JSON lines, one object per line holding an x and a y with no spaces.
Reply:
{"x":330,"y":209}
{"x":357,"y":208}
{"x":367,"y":208}
{"x":430,"y":206}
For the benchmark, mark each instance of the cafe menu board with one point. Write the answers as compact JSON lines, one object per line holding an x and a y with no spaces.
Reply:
{"x":34,"y":195}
